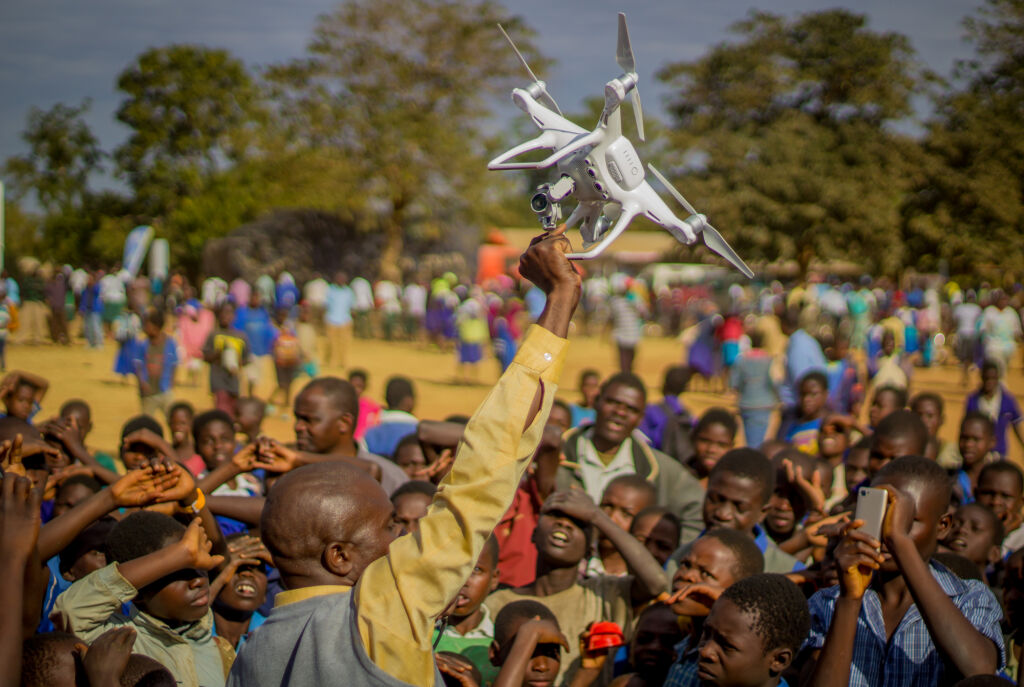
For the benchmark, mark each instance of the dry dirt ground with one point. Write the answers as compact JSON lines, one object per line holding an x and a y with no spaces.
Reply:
{"x":76,"y":372}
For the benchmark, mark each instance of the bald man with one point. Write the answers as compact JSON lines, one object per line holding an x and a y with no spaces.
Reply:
{"x":360,"y":603}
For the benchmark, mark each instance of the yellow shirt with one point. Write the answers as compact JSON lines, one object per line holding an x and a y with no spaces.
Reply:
{"x":399,"y":596}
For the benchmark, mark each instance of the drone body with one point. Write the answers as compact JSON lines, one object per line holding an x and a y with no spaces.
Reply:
{"x":601,"y":169}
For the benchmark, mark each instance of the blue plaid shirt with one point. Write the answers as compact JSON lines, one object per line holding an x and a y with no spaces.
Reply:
{"x":683,"y":672}
{"x":910,"y":657}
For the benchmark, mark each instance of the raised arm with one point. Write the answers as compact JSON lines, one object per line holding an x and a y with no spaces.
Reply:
{"x":649,"y":580}
{"x":396,"y":617}
{"x":19,"y":527}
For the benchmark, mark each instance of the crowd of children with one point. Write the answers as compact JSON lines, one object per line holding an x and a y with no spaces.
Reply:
{"x":614,"y":541}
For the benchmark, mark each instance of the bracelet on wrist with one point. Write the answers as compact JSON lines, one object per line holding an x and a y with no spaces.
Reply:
{"x":196,"y":506}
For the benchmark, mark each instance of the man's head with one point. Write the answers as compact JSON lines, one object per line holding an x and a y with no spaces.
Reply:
{"x":658,"y":529}
{"x":1001,"y":488}
{"x":399,"y":394}
{"x":324,"y":523}
{"x":977,"y":437}
{"x":625,"y":496}
{"x":887,"y":400}
{"x":901,"y":433}
{"x":753,"y":632}
{"x":738,"y":490}
{"x":214,"y":436}
{"x":326,"y":411}
{"x":411,"y":501}
{"x":928,"y":406}
{"x":181,"y":596}
{"x":930,"y":488}
{"x":714,"y":434}
{"x":719,"y":558}
{"x":620,"y":407}
{"x":481,"y":581}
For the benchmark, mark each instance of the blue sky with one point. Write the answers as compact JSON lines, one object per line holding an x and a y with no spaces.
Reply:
{"x":66,"y":50}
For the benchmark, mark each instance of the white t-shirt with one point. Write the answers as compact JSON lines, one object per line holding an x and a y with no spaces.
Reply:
{"x":362,"y":294}
{"x":388,"y":297}
{"x":112,"y":289}
{"x":415,"y":298}
{"x":315,"y":291}
{"x":1002,"y":326}
{"x":966,"y":316}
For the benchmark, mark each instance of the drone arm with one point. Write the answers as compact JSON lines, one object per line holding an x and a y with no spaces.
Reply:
{"x":548,"y":139}
{"x":628,"y":213}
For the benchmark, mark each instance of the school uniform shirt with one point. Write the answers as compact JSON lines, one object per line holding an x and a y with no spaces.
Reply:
{"x":398,"y":596}
{"x":595,"y":599}
{"x":909,"y":657}
{"x":95,"y":604}
{"x":474,"y":646}
{"x":1002,"y":409}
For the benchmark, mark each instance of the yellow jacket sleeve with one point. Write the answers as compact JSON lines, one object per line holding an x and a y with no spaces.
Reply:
{"x":399,"y":596}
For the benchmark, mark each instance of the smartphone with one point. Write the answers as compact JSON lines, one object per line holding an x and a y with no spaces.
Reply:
{"x":871,"y":505}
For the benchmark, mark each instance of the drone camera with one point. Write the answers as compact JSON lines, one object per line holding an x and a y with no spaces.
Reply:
{"x":540,"y":203}
{"x":549,"y":212}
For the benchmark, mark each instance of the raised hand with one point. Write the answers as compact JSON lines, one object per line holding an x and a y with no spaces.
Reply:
{"x":105,"y":661}
{"x":544,"y":263}
{"x":575,"y":503}
{"x":179,"y":486}
{"x":704,"y":594}
{"x":251,"y":549}
{"x":899,"y":514}
{"x":545,"y":631}
{"x":195,"y":546}
{"x":811,"y":489}
{"x":276,"y":457}
{"x":457,"y":667}
{"x":19,"y":516}
{"x":247,"y":458}
{"x":819,"y":533}
{"x":141,"y":487}
{"x":436,"y":471}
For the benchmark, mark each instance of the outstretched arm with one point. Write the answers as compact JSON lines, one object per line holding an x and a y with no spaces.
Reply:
{"x":396,"y":619}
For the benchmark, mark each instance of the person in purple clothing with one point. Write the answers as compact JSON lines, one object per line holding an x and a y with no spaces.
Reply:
{"x":995,"y":400}
{"x":658,"y":415}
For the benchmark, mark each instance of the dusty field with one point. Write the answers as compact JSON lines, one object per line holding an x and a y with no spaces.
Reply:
{"x":77,"y":372}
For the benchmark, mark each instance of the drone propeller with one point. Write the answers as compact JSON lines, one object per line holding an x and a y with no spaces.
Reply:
{"x":712,"y":239}
{"x":544,"y":95}
{"x":624,"y":57}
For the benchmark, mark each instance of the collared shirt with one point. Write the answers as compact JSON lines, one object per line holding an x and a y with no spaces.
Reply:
{"x":474,"y":646}
{"x":399,"y":595}
{"x":909,"y":657}
{"x":683,"y":672}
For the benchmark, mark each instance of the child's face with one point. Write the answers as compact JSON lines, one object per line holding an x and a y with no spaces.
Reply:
{"x":780,"y":519}
{"x":884,"y":403}
{"x":989,"y":381}
{"x":973,"y":536}
{"x":1000,"y":492}
{"x":975,"y":441}
{"x":886,"y":448}
{"x":19,"y":403}
{"x":561,"y":418}
{"x":481,"y":582}
{"x":888,"y":343}
{"x":732,"y":653}
{"x":69,"y":496}
{"x":621,"y":503}
{"x":250,"y":417}
{"x":215,"y":443}
{"x":653,"y":645}
{"x":812,"y":398}
{"x":930,"y":414}
{"x":247,"y":589}
{"x":711,"y":443}
{"x":590,"y":387}
{"x":832,"y":440}
{"x":657,"y":534}
{"x":733,"y":502}
{"x":180,"y":423}
{"x":857,"y":461}
{"x":81,"y":420}
{"x":410,"y":458}
{"x":410,"y":509}
{"x":931,"y":521}
{"x":358,"y":383}
{"x":559,"y":539}
{"x":708,"y":562}
{"x":226,"y":316}
{"x":542,"y":669}
{"x":183,"y":596}
{"x":88,"y":562}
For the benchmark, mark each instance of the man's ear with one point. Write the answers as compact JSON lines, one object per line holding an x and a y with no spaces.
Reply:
{"x":337,"y":558}
{"x":346,"y":423}
{"x":779,"y":660}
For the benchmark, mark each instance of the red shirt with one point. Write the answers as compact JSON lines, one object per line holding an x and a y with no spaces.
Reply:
{"x":517,"y":556}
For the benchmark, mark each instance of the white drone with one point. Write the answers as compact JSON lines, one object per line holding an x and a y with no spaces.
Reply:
{"x":601,"y":168}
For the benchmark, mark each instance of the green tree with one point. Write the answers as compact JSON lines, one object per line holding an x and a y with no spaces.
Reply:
{"x":63,"y":155}
{"x":783,"y":137}
{"x":968,"y":205}
{"x":401,"y":89}
{"x":193,"y":112}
